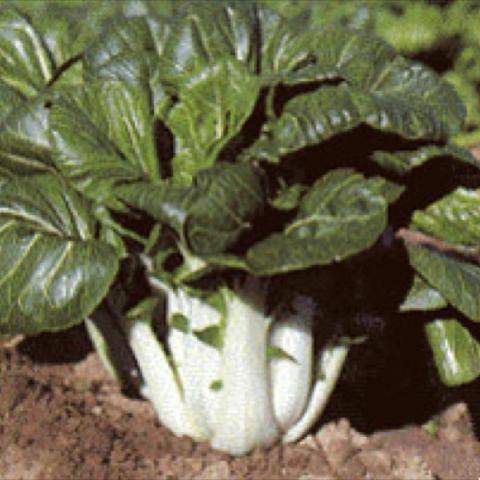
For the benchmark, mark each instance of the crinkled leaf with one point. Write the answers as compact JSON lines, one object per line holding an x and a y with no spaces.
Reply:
{"x":227,"y":200}
{"x":458,"y":281}
{"x":121,"y":37}
{"x":403,"y":98}
{"x":422,"y":297}
{"x":311,"y":118}
{"x":9,"y":99}
{"x":26,"y":64}
{"x":204,"y":33}
{"x":435,"y":110}
{"x":455,"y":218}
{"x":24,"y":138}
{"x":389,"y":190}
{"x":286,"y":48}
{"x":308,"y":120}
{"x":455,"y":350}
{"x":294,"y":52}
{"x":341,"y":215}
{"x":211,"y":214}
{"x":358,"y":58}
{"x":103,"y":136}
{"x":404,"y":161}
{"x":163,"y":201}
{"x":40,"y":42}
{"x":213,"y":106}
{"x":53,"y":271}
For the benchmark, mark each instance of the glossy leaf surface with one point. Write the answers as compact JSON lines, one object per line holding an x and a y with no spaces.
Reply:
{"x":53,"y":272}
{"x":455,"y":350}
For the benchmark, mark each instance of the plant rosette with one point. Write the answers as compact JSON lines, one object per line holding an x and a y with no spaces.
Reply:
{"x":181,"y":180}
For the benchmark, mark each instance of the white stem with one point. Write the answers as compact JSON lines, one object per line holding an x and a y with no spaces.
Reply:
{"x":291,"y":378}
{"x":198,"y":364}
{"x":245,"y":419}
{"x":329,"y":366}
{"x":161,"y":386}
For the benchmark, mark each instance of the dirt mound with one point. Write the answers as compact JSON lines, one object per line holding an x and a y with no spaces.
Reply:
{"x":69,"y":421}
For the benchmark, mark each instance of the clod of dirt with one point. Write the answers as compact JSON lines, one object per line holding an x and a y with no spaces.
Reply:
{"x":70,"y":421}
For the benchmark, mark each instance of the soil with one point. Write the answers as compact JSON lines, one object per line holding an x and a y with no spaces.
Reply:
{"x":61,"y":417}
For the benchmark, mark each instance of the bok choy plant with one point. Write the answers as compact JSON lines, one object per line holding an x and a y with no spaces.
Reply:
{"x":186,"y":182}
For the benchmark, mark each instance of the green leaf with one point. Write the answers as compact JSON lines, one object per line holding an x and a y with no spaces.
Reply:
{"x":211,"y":214}
{"x":26,"y":64}
{"x":433,"y":109}
{"x":144,"y":309}
{"x":288,"y":197}
{"x":41,"y":43}
{"x":341,"y":215}
{"x":308,"y":120}
{"x":286,"y":52}
{"x":53,"y":271}
{"x":201,"y":34}
{"x":211,"y":336}
{"x":295,"y":51}
{"x":216,"y":385}
{"x":25,"y":147}
{"x":213,"y":106}
{"x":274,"y":352}
{"x":165,"y":202}
{"x":179,"y":322}
{"x":390,"y":94}
{"x":455,"y":351}
{"x":103,"y":136}
{"x":404,"y":161}
{"x":9,"y":99}
{"x":455,"y":218}
{"x":227,"y":200}
{"x":422,"y":297}
{"x":457,"y":281}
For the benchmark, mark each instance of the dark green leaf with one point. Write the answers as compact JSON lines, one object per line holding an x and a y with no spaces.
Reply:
{"x":455,"y":350}
{"x":25,"y":61}
{"x":9,"y":99}
{"x":24,"y":138}
{"x":211,"y":214}
{"x":53,"y":271}
{"x":422,"y":297}
{"x":179,"y":322}
{"x":227,"y":200}
{"x":274,"y":352}
{"x":202,"y":34}
{"x":213,"y":106}
{"x":216,"y":385}
{"x":456,"y":280}
{"x":404,"y":161}
{"x":341,"y":215}
{"x":103,"y":136}
{"x":288,"y":197}
{"x":212,"y":336}
{"x":455,"y":218}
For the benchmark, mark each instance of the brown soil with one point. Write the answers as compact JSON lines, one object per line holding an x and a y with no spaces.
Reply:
{"x":65,"y":419}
